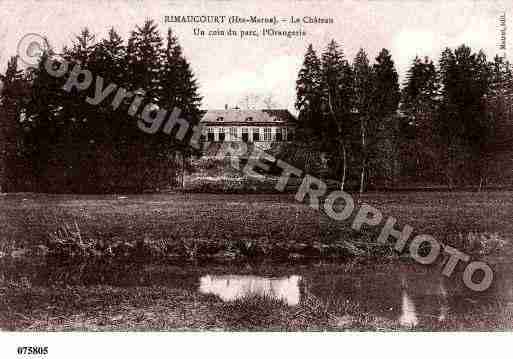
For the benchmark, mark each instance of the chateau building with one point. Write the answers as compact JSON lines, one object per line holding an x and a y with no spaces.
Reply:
{"x":235,"y":125}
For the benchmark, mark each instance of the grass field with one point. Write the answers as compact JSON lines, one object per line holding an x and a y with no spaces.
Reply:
{"x":223,"y":227}
{"x":208,"y":225}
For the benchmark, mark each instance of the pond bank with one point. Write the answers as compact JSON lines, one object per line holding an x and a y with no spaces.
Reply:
{"x":301,"y":297}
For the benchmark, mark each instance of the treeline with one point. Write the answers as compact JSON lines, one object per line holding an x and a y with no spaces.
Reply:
{"x":434,"y":131}
{"x":64,"y":144}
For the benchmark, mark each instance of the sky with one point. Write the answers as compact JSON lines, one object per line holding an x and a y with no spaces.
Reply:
{"x":229,"y":68}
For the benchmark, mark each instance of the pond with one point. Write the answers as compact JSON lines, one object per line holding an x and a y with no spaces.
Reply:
{"x":404,"y":295}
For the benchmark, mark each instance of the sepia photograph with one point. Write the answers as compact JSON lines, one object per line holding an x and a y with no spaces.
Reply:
{"x":255,"y":166}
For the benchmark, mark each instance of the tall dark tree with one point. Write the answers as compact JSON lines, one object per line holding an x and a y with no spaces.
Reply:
{"x":84,"y":147}
{"x":338,"y":104}
{"x":14,"y":93}
{"x":83,"y":46}
{"x":463,"y":126}
{"x":145,"y":65}
{"x":420,"y":102}
{"x":145,"y":55}
{"x":112,"y":132}
{"x":179,"y":81}
{"x":386,"y":94}
{"x":110,"y":58}
{"x":501,"y":73}
{"x":309,"y":95}
{"x":385,"y":103}
{"x":181,"y":92}
{"x":363,"y":102}
{"x":45,"y":121}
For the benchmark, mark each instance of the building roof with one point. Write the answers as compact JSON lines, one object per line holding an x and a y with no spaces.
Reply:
{"x":247,"y":117}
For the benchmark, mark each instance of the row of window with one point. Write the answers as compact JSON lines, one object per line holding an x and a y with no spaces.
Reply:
{"x":255,"y":135}
{"x":220,"y":118}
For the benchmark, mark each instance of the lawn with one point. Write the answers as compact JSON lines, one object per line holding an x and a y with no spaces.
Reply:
{"x":199,"y":226}
{"x":234,"y":229}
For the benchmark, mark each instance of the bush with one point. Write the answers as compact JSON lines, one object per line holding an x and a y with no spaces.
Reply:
{"x":230,"y":185}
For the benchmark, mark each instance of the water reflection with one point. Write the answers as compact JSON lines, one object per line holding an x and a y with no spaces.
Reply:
{"x":411,"y":300}
{"x":408,"y":316}
{"x":404,"y":295}
{"x":444,"y":306}
{"x":231,"y":287}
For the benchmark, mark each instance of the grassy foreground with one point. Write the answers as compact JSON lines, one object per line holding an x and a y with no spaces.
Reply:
{"x":110,"y":308}
{"x":240,"y":227}
{"x":197,"y":226}
{"x":28,"y":307}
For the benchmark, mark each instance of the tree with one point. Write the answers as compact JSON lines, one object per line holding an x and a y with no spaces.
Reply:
{"x":83,"y":46}
{"x":249,"y":101}
{"x":463,"y":126}
{"x":252,"y":101}
{"x":386,"y":93}
{"x":13,"y":95}
{"x":309,"y":94}
{"x":363,"y":101}
{"x":420,"y":102}
{"x":110,"y":55}
{"x":269,"y":101}
{"x":501,"y":72}
{"x":82,"y":147}
{"x":179,"y":82}
{"x":145,"y":56}
{"x":386,"y":98}
{"x":181,"y":91}
{"x":145,"y":66}
{"x":338,"y":100}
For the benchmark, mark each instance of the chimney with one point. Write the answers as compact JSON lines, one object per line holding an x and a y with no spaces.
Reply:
{"x":226,"y":106}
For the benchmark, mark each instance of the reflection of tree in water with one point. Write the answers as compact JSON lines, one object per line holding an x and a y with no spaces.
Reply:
{"x":411,"y":298}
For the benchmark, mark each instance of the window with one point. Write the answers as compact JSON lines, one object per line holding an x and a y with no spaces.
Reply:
{"x":221,"y":134}
{"x":249,"y":118}
{"x":256,"y":134}
{"x":233,"y":134}
{"x":210,"y":134}
{"x":220,"y":118}
{"x":267,"y":134}
{"x":245,"y":135}
{"x":279,"y":134}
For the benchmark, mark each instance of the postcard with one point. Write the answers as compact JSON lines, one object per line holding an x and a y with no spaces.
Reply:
{"x":325,"y":169}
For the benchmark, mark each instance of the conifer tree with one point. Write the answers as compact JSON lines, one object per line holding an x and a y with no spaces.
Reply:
{"x":309,"y":95}
{"x":385,"y":102}
{"x":501,"y":74}
{"x":179,"y":82}
{"x":14,"y":93}
{"x":110,"y":56}
{"x":145,"y":56}
{"x":181,"y":92}
{"x":386,"y":94}
{"x":463,"y":127}
{"x":364,"y":87}
{"x":420,"y":102}
{"x":338,"y":100}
